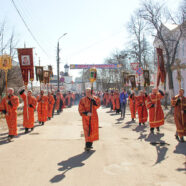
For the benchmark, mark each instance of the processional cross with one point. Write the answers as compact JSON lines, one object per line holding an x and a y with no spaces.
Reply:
{"x":178,"y":67}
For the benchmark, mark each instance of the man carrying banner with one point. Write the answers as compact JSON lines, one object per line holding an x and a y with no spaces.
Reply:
{"x":123,"y":101}
{"x":156,"y":115}
{"x":179,"y":104}
{"x":9,"y":108}
{"x":92,"y":133}
{"x":30,"y":103}
{"x":51,"y":102}
{"x":42,"y":108}
{"x":141,"y":107}
{"x":133,"y":105}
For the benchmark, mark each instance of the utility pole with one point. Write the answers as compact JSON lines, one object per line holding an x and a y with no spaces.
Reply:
{"x":58,"y":60}
{"x":58,"y":66}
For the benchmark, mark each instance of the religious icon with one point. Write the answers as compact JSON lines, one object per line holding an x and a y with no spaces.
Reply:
{"x":39,"y":71}
{"x":46,"y":74}
{"x":25,"y":60}
{"x":5,"y":62}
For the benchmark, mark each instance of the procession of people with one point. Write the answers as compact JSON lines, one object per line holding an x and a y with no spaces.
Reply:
{"x":147,"y":105}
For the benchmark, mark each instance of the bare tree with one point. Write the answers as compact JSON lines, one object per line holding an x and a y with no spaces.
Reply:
{"x":155,"y":15}
{"x":8,"y":44}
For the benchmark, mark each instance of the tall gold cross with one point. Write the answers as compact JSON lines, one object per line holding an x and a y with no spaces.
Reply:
{"x":178,"y":67}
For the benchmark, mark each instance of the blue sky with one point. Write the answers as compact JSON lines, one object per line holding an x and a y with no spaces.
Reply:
{"x":95,"y":28}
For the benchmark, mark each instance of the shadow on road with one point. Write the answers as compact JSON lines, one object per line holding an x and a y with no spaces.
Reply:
{"x":181,"y":149}
{"x":3,"y":140}
{"x":3,"y":134}
{"x":161,"y":149}
{"x":141,"y":130}
{"x":73,"y":162}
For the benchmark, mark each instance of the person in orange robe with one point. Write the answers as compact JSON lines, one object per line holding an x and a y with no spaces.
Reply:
{"x":42,"y":108}
{"x":141,"y":107}
{"x":133,"y":105}
{"x":9,"y":106}
{"x":89,"y":118}
{"x":106,"y":99}
{"x":58,"y":106}
{"x":117,"y":101}
{"x":73,"y":98}
{"x":156,"y":115}
{"x":112,"y":105}
{"x":30,"y":104}
{"x":179,"y":104}
{"x":51,"y":102}
{"x":69,"y":99}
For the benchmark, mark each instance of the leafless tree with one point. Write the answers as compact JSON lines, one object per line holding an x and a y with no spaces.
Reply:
{"x":8,"y":44}
{"x":155,"y":15}
{"x":139,"y":48}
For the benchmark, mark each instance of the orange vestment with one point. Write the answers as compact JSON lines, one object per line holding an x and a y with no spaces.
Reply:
{"x":180,"y":118}
{"x":106,"y":98}
{"x":84,"y":107}
{"x":11,"y":115}
{"x":142,"y":110}
{"x":51,"y":102}
{"x":112,"y":101}
{"x":156,"y":115}
{"x":42,"y":108}
{"x":117,"y":101}
{"x":68,"y":99}
{"x":28,"y":120}
{"x":133,"y":105}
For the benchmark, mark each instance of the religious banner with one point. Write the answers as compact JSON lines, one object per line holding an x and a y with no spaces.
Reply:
{"x":39,"y":73}
{"x":125,"y":78}
{"x":25,"y":56}
{"x":146,"y":77}
{"x":132,"y":81}
{"x":5,"y":62}
{"x":161,"y":75}
{"x":46,"y":76}
{"x":51,"y":71}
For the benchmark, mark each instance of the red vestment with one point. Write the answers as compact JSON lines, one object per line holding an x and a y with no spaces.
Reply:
{"x":117,"y":101}
{"x":142,"y":109}
{"x":106,"y":99}
{"x":84,"y":106}
{"x":51,"y":102}
{"x":11,"y":115}
{"x":28,"y":119}
{"x":112,"y":101}
{"x":133,"y":105}
{"x":42,"y":108}
{"x":179,"y":105}
{"x":156,"y":115}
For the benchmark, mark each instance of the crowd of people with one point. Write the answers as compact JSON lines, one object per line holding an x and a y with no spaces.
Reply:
{"x":45,"y":104}
{"x":147,"y":106}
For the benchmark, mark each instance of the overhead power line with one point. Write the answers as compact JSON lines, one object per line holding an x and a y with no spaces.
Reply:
{"x":29,"y":30}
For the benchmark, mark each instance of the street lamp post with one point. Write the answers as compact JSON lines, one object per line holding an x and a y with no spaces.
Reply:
{"x":58,"y":60}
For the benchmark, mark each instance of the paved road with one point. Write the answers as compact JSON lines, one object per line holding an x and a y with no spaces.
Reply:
{"x":125,"y":155}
